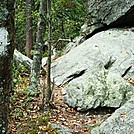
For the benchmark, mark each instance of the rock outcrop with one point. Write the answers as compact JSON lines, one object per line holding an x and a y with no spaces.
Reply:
{"x":97,"y":89}
{"x":103,"y":15}
{"x":106,"y":14}
{"x":93,"y":72}
{"x":113,"y":48}
{"x":121,"y":121}
{"x":88,"y":84}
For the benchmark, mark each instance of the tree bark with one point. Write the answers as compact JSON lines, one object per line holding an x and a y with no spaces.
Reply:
{"x":29,"y":30}
{"x":36,"y":64}
{"x":48,"y":90}
{"x":6,"y":53}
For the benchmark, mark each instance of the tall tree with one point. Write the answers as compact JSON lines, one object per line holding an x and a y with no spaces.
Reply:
{"x":29,"y":31}
{"x":20,"y":30}
{"x":35,"y":68}
{"x":48,"y":90}
{"x":6,"y":53}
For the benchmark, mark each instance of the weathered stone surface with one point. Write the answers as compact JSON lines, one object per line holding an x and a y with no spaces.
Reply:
{"x":114,"y":49}
{"x":26,"y":61}
{"x":61,"y":129}
{"x":19,"y":57}
{"x":44,"y":60}
{"x":121,"y":121}
{"x":90,"y":85}
{"x":97,"y":88}
{"x":76,"y":41}
{"x":109,"y":11}
{"x":105,"y":14}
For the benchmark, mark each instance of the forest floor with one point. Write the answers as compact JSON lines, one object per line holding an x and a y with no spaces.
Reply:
{"x":77,"y":122}
{"x":26,"y":116}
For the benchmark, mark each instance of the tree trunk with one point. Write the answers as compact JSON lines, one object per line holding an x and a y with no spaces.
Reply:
{"x":29,"y":31}
{"x":6,"y":53}
{"x":36,"y":64}
{"x":48,"y":90}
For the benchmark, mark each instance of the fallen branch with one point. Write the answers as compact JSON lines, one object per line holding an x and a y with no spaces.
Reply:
{"x":59,"y":40}
{"x":19,"y":57}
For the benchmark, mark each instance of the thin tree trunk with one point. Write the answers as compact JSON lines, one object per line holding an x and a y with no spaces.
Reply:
{"x":36,"y":64}
{"x":29,"y":30}
{"x":48,"y":90}
{"x":6,"y":53}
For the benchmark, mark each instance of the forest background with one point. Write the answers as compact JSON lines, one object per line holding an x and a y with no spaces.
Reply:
{"x":67,"y":18}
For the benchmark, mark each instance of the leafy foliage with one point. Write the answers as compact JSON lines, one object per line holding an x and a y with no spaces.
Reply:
{"x":18,"y":70}
{"x":20,"y":25}
{"x":68,"y":16}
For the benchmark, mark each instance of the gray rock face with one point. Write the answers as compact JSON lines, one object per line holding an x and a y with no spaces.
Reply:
{"x":111,"y":13}
{"x":121,"y":121}
{"x":97,"y":88}
{"x":113,"y":49}
{"x":61,"y":129}
{"x":20,"y":58}
{"x":103,"y":15}
{"x":76,"y":41}
{"x":94,"y":70}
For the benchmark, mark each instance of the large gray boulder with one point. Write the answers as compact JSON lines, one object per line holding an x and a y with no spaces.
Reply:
{"x":97,"y":89}
{"x":92,"y":72}
{"x":121,"y":121}
{"x":113,"y":49}
{"x":104,"y":14}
